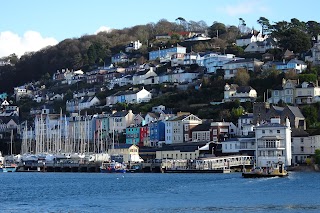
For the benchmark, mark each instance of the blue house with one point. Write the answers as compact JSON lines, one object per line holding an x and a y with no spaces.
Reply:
{"x":157,"y":132}
{"x":162,"y":53}
{"x":132,"y":135}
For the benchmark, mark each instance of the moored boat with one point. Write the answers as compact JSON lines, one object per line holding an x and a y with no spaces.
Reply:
{"x":113,"y":167}
{"x":276,"y":170}
{"x":9,"y":167}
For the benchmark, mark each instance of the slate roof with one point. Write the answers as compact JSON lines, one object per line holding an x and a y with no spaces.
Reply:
{"x":183,"y":147}
{"x":202,"y":127}
{"x":296,"y":111}
{"x":119,"y":114}
{"x":244,"y":89}
{"x":243,"y":61}
{"x":296,"y":132}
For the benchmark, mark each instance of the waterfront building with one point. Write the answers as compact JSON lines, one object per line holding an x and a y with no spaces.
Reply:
{"x":273,"y":143}
{"x":156,"y":133}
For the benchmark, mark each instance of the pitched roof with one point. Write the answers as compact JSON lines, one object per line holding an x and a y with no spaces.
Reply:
{"x":202,"y":127}
{"x":244,"y":89}
{"x":296,"y":132}
{"x":296,"y":111}
{"x":119,"y":114}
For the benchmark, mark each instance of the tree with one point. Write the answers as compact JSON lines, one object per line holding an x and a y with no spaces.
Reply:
{"x":317,"y":156}
{"x":265,"y":25}
{"x":295,"y":40}
{"x":217,"y":29}
{"x":242,"y":77}
{"x":308,"y":77}
{"x":311,"y":114}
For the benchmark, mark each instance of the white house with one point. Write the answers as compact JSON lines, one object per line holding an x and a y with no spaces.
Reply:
{"x":261,"y":46}
{"x":253,"y":36}
{"x":273,"y":143}
{"x":307,"y":93}
{"x":133,"y":45}
{"x":142,"y":76}
{"x":178,"y":128}
{"x":245,"y":124}
{"x":242,"y":93}
{"x":78,"y":104}
{"x":214,"y":61}
{"x":119,"y":121}
{"x":140,"y":96}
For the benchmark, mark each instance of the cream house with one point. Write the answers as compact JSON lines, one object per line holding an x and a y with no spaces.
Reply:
{"x":129,"y":152}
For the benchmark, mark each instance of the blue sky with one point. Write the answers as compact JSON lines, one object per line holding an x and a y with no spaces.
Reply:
{"x":29,"y":25}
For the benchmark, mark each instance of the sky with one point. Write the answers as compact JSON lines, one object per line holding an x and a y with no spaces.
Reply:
{"x":30,"y":25}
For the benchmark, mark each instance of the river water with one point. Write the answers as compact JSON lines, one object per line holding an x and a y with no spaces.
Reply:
{"x":155,"y":192}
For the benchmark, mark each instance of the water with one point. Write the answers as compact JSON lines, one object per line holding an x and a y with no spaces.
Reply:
{"x":164,"y":193}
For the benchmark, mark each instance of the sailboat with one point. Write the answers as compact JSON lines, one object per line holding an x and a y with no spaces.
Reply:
{"x":10,"y":165}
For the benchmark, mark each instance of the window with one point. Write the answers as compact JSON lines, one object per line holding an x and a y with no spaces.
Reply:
{"x":302,"y":149}
{"x":270,"y":131}
{"x":278,"y":131}
{"x":301,"y":140}
{"x":263,"y":131}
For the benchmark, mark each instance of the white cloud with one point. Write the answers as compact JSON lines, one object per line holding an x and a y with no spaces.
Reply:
{"x":103,"y":29}
{"x":244,"y":7}
{"x":30,"y":41}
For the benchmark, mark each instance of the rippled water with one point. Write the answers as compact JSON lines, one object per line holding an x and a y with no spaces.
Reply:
{"x":95,"y":192}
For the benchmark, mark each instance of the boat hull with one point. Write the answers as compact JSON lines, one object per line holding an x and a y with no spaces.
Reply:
{"x":262,"y":175}
{"x":112,"y":170}
{"x":9,"y":169}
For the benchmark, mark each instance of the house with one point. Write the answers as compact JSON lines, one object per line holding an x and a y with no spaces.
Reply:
{"x":263,"y":112}
{"x":119,"y":121}
{"x":239,"y":146}
{"x":119,"y":58}
{"x":303,"y":145}
{"x":151,"y":117}
{"x":242,"y":93}
{"x":178,"y":128}
{"x":184,"y":151}
{"x":133,"y":135}
{"x":162,"y":53}
{"x":128,"y":152}
{"x":198,"y":37}
{"x":180,"y":76}
{"x":120,"y":81}
{"x":141,"y":76}
{"x":222,"y":130}
{"x":261,"y":46}
{"x":22,"y":91}
{"x":273,"y":143}
{"x":230,"y":68}
{"x":214,"y":61}
{"x":251,"y":37}
{"x":307,"y":93}
{"x":78,"y":104}
{"x":156,"y":133}
{"x":56,"y":97}
{"x":201,"y":133}
{"x":314,"y":55}
{"x":133,"y":45}
{"x":285,"y":92}
{"x":129,"y":97}
{"x":245,"y":124}
{"x":190,"y":58}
